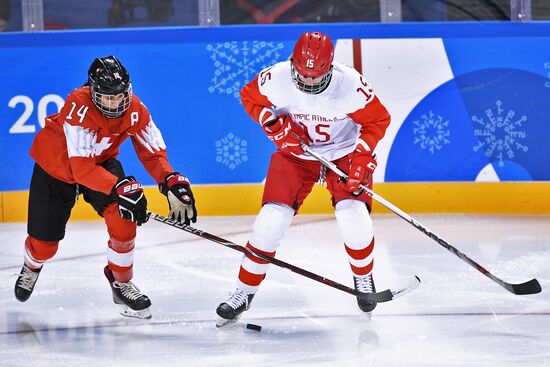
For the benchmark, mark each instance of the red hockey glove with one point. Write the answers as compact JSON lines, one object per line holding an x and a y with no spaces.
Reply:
{"x":181,"y":201}
{"x":132,"y":204}
{"x":362,"y":166}
{"x":286,"y":134}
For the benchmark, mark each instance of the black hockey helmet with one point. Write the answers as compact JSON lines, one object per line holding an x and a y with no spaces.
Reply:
{"x":110,"y":86}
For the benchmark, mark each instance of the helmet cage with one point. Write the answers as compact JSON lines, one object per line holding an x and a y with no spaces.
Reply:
{"x":110,"y":86}
{"x":310,"y":85}
{"x":100,"y":98}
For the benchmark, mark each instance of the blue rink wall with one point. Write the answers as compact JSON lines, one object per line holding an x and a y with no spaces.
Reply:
{"x":470,"y":102}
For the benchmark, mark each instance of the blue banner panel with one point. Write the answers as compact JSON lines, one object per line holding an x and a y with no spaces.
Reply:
{"x":490,"y":120}
{"x":487,"y":115}
{"x":191,"y":90}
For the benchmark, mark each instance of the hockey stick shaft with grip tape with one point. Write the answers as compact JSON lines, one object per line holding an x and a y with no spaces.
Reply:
{"x":383,"y":296}
{"x":530,"y":287}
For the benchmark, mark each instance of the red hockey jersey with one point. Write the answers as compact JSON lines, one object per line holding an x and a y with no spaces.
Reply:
{"x":75,"y":141}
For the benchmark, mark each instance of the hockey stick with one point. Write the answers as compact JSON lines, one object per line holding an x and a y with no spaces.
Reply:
{"x":384,"y":296}
{"x":530,"y":287}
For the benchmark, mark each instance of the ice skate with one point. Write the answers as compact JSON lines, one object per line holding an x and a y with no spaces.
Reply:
{"x":133,"y":303}
{"x":25,"y":283}
{"x":230,"y":311}
{"x":365,"y":284}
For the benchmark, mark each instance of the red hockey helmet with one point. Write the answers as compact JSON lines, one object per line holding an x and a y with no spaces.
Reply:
{"x":312,"y":62}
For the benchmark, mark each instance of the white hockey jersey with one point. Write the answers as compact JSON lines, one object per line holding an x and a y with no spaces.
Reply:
{"x":336,"y":120}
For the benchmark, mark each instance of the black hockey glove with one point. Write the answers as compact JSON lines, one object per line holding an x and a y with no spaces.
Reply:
{"x":132,"y":204}
{"x":177,"y":189}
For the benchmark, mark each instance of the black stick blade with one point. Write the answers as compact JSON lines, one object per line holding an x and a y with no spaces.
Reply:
{"x":530,"y":287}
{"x":377,"y":297}
{"x":390,"y":294}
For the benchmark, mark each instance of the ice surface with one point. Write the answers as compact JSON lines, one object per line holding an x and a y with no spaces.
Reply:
{"x":457,"y":317}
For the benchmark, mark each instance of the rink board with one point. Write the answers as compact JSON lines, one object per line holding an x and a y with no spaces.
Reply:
{"x":419,"y":197}
{"x":469,"y":104}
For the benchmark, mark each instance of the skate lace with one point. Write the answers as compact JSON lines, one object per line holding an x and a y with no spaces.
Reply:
{"x":129,"y":290}
{"x":364,"y":284}
{"x":27,"y":278}
{"x":237,"y":299}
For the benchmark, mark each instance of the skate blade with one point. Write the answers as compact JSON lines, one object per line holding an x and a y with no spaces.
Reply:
{"x":136,"y":314}
{"x":221,"y":322}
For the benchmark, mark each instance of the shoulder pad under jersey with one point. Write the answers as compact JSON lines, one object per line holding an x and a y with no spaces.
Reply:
{"x":80,"y":110}
{"x":274,"y":82}
{"x":351,"y":88}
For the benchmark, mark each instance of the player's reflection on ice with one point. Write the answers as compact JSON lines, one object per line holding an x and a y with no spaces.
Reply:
{"x":87,"y":333}
{"x":29,"y":329}
{"x":288,"y":338}
{"x":368,"y":338}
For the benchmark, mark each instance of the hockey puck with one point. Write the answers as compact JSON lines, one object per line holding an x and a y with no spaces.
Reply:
{"x":254,"y":327}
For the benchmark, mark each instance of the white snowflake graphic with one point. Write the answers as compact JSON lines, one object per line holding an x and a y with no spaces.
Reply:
{"x":237,"y":63}
{"x":231,"y":151}
{"x":500,"y":133}
{"x":431,"y":132}
{"x":547,"y":67}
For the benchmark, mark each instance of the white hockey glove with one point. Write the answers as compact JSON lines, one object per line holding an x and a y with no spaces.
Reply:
{"x":177,"y":189}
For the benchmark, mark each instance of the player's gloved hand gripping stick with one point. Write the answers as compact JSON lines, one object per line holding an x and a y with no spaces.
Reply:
{"x":530,"y":287}
{"x":285,"y":134}
{"x":132,"y":204}
{"x":177,"y":189}
{"x":362,"y":166}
